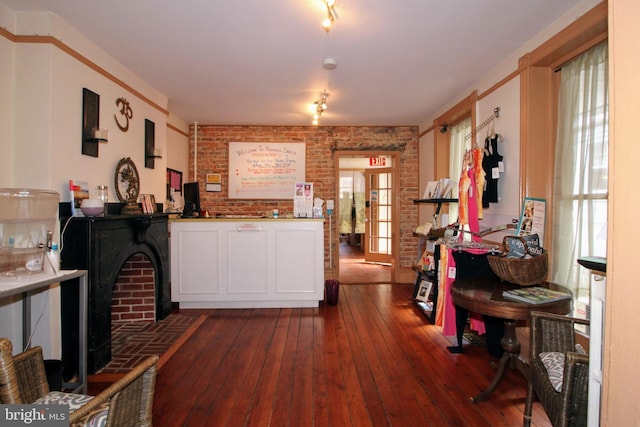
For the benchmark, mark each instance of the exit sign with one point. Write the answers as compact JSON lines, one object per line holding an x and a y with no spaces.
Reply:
{"x":377,"y":161}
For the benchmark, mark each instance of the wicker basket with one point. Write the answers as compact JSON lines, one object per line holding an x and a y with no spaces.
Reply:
{"x":520,"y":271}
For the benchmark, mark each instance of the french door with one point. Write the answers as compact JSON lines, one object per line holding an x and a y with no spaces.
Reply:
{"x":379,"y":220}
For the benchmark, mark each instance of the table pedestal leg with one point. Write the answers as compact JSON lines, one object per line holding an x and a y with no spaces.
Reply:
{"x":511,"y":347}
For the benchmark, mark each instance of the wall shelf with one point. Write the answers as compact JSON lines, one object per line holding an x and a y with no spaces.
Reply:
{"x":149,"y":144}
{"x":90,"y":121}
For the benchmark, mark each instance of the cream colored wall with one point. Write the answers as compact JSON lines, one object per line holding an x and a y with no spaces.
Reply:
{"x":178,"y":146}
{"x":40,"y":132}
{"x":507,"y":125}
{"x":621,"y":386}
{"x":426,"y":174}
{"x":6,"y":107}
{"x":47,"y":117}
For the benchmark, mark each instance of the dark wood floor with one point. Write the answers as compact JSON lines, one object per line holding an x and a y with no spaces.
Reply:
{"x":371,"y":360}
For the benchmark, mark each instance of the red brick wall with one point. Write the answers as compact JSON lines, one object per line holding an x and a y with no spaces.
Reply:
{"x":134,"y":291}
{"x":321,"y":143}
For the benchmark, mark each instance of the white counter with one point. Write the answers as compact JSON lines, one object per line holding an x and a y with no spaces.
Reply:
{"x":247,"y":262}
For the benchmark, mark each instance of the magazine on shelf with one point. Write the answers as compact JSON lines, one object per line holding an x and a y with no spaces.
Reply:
{"x":78,"y":191}
{"x":532,"y":219}
{"x":535,"y":295}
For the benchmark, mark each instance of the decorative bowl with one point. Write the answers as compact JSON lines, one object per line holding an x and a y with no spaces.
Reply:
{"x":92,"y":207}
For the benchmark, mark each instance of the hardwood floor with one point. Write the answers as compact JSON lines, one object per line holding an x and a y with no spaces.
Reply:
{"x":370,"y":360}
{"x":353,"y":269}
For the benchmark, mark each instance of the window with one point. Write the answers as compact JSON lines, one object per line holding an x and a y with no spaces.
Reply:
{"x":458,"y":146}
{"x":580,"y":187}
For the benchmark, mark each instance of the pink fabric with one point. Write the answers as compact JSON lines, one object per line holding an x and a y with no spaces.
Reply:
{"x":448,"y":309}
{"x":474,"y":223}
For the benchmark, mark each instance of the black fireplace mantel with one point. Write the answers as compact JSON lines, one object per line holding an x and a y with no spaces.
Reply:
{"x":102,"y":245}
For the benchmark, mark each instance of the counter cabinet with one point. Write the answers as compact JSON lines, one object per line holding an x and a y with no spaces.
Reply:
{"x":247,"y":263}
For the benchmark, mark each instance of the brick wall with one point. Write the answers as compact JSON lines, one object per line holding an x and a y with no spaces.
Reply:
{"x":321,"y":144}
{"x":134,"y":292}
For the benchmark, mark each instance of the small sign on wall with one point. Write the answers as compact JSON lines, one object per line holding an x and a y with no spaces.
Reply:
{"x":213,"y":182}
{"x":377,"y":161}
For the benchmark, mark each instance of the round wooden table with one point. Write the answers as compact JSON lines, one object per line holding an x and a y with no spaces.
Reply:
{"x":484,"y":296}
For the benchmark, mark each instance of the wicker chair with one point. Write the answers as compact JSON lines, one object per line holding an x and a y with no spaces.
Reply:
{"x":127,"y":402}
{"x":551,"y":335}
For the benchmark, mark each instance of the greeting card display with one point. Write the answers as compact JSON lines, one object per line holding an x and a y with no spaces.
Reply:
{"x":303,"y":200}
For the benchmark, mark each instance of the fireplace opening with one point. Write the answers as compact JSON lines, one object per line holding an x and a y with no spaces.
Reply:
{"x":133,"y":298}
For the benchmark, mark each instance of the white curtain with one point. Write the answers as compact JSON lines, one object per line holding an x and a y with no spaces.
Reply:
{"x":352,"y":210}
{"x":580,"y":187}
{"x":458,"y":146}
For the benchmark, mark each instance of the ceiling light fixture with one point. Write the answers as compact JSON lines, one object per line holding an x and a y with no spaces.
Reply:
{"x":332,"y":15}
{"x":329,"y":64}
{"x":319,"y":106}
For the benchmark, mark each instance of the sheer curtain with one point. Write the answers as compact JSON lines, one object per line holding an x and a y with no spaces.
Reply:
{"x":580,"y":187}
{"x":352,"y":214}
{"x":458,"y":146}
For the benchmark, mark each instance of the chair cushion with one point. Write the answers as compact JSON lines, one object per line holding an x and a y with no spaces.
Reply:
{"x":97,"y":418}
{"x":554,"y":362}
{"x":60,"y":398}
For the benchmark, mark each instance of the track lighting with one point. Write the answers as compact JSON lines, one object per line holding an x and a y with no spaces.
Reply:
{"x":319,"y":106}
{"x":332,"y":15}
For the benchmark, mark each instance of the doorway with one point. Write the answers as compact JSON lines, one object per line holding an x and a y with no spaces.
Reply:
{"x":366,"y":217}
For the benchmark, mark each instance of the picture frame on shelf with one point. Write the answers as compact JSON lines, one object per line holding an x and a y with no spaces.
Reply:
{"x":430,"y":190}
{"x":424,"y":291}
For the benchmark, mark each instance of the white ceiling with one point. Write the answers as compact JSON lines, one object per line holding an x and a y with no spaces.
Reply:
{"x":260,"y":61}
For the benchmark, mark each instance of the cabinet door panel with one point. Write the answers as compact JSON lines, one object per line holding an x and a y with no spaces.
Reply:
{"x":296,"y":261}
{"x":247,"y":262}
{"x":195,"y":253}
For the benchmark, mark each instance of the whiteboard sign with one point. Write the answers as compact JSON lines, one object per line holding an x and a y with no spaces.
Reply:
{"x":265,"y":170}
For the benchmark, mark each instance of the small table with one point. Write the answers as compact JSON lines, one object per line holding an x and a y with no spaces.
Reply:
{"x":25,"y":287}
{"x":484,"y":296}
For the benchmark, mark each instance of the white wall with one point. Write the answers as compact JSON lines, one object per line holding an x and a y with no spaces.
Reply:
{"x":41,"y":132}
{"x":48,"y":114}
{"x":507,"y":97}
{"x":6,"y":108}
{"x":507,"y":126}
{"x":178,"y":147}
{"x":427,"y":172}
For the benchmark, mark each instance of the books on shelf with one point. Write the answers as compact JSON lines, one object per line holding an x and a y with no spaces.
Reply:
{"x":535,"y":295}
{"x":148,"y":203}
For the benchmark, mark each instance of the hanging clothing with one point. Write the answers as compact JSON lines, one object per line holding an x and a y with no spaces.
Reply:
{"x":468,"y":196}
{"x":479,"y":173}
{"x":464,"y":184}
{"x":490,"y":165}
{"x":473,"y":196}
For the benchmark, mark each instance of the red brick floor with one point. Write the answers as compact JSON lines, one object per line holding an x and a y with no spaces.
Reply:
{"x":132,"y":342}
